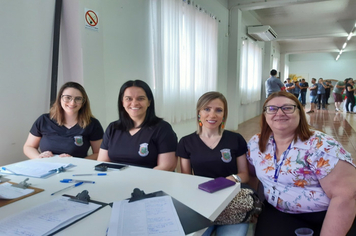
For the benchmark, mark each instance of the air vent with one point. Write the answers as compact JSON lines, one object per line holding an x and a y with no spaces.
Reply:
{"x":262,"y":33}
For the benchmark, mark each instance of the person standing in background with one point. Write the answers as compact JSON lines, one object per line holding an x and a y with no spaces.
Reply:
{"x":350,"y":96}
{"x":337,"y":93}
{"x":321,"y":93}
{"x":313,"y":95}
{"x":290,"y":86}
{"x":327,"y":91}
{"x":273,"y":84}
{"x":303,"y":91}
{"x":297,"y":88}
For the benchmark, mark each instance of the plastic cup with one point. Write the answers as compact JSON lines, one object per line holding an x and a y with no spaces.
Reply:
{"x":304,"y":232}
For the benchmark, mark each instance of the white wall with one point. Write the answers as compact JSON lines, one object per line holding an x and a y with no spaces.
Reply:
{"x":323,"y":65}
{"x":25,"y":71}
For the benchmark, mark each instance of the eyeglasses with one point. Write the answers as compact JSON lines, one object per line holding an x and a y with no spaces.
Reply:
{"x":286,"y":109}
{"x":68,"y":98}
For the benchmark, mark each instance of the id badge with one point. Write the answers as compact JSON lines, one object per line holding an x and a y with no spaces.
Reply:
{"x":274,"y":194}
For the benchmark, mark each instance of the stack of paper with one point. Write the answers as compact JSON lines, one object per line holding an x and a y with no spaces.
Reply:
{"x":33,"y":168}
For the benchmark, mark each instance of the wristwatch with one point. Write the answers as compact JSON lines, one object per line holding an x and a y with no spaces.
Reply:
{"x":237,"y":178}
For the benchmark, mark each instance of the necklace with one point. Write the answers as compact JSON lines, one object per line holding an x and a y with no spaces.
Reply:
{"x":70,"y":126}
{"x":210,"y":142}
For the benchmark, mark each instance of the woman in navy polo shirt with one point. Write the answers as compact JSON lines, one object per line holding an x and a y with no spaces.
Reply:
{"x":214,"y":152}
{"x":139,"y":137}
{"x":68,"y":130}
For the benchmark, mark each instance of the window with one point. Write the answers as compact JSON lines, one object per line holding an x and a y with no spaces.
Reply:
{"x":251,"y":72}
{"x":184,"y":51}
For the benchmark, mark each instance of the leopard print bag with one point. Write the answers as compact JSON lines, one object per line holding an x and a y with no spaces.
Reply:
{"x":244,"y":207}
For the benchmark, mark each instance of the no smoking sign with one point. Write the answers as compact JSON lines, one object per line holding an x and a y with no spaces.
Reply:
{"x":91,"y":19}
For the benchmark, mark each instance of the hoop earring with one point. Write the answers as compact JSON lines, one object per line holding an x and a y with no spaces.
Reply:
{"x":200,"y":124}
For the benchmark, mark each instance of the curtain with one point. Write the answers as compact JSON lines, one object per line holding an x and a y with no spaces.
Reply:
{"x":184,"y":56}
{"x":286,"y":72}
{"x":251,"y":72}
{"x":275,"y":63}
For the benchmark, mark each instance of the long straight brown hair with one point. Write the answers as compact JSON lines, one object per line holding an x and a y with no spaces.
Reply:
{"x":303,"y":131}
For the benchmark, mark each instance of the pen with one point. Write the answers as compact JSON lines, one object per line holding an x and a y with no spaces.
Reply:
{"x":4,"y":168}
{"x":72,"y":186}
{"x":76,"y":181}
{"x":90,"y":174}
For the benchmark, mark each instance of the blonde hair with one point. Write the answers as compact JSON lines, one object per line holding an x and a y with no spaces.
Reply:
{"x":204,"y":100}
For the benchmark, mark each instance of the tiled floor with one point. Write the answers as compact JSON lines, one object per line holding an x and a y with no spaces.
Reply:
{"x":341,"y":126}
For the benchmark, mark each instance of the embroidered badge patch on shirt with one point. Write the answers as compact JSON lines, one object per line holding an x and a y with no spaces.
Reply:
{"x":143,"y":149}
{"x":225,"y":155}
{"x":78,"y":140}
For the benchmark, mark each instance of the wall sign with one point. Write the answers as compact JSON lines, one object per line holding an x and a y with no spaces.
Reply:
{"x":91,"y":19}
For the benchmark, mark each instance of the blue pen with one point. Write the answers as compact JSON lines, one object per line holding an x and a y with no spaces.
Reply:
{"x":76,"y":181}
{"x":90,"y":174}
{"x":4,"y":168}
{"x":72,"y":186}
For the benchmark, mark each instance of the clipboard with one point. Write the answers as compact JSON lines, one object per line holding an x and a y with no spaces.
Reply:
{"x":4,"y":202}
{"x":81,"y":198}
{"x":191,"y":220}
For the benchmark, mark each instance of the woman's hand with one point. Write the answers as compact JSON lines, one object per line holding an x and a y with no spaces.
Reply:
{"x":231,"y":178}
{"x":64,"y":155}
{"x":46,"y":154}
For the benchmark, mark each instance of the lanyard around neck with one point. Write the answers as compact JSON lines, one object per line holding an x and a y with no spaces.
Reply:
{"x":278,"y":167}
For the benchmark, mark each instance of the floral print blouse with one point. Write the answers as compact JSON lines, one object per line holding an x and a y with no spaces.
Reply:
{"x":298,"y":180}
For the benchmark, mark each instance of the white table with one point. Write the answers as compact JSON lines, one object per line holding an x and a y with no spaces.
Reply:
{"x":118,"y":185}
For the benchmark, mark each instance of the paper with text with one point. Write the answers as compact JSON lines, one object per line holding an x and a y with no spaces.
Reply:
{"x":151,"y":216}
{"x":45,"y":218}
{"x":7,"y":191}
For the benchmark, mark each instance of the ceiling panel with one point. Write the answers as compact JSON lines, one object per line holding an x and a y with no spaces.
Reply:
{"x":305,"y":26}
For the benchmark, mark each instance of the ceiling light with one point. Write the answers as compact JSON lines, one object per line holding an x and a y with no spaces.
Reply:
{"x":349,"y":37}
{"x":345,"y":44}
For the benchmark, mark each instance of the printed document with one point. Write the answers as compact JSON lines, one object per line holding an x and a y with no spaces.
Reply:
{"x":151,"y":216}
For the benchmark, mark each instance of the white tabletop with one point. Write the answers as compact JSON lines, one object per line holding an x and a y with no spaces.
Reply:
{"x":118,"y":185}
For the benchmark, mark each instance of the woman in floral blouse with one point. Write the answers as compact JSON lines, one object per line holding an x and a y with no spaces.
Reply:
{"x":309,"y":179}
